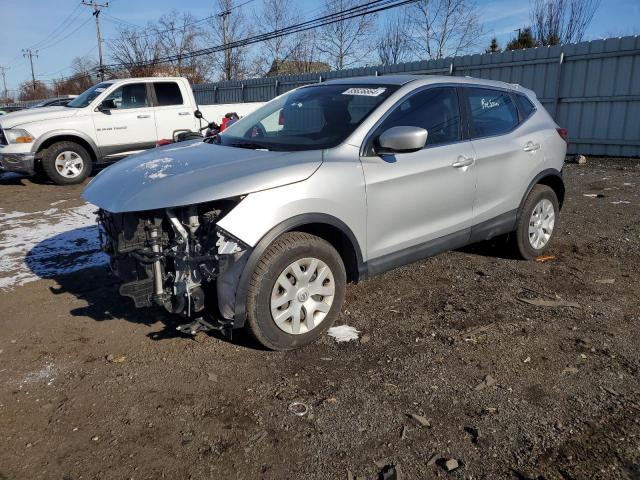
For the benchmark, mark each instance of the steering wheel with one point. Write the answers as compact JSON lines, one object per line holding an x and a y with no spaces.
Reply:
{"x":257,"y":131}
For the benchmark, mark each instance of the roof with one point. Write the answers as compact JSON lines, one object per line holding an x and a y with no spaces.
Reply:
{"x":422,"y":79}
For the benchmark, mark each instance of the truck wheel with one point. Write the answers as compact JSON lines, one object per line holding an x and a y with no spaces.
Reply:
{"x":537,"y":222}
{"x":296,"y":291}
{"x":66,"y":163}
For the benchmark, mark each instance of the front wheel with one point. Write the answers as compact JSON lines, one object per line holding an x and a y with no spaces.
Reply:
{"x":66,"y":163}
{"x":537,"y":223}
{"x":296,"y":291}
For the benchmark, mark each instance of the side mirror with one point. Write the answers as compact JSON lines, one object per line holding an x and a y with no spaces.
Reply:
{"x":402,"y":139}
{"x":197,"y":114}
{"x":107,"y":105}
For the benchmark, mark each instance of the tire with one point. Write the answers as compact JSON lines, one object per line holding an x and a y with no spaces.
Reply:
{"x":268,"y":300}
{"x":66,"y":163}
{"x":533,"y":235}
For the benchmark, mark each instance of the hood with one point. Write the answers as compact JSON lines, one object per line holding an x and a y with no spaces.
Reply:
{"x":30,"y":115}
{"x":195,"y":172}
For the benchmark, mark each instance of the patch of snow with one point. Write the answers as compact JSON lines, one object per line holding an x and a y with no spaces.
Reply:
{"x":47,"y":244}
{"x":45,"y":374}
{"x":157,"y":168}
{"x":343,"y":333}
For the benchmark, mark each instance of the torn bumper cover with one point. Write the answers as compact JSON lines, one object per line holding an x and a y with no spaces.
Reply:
{"x":175,"y":258}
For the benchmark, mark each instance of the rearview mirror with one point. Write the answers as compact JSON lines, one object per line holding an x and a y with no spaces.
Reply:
{"x":402,"y":139}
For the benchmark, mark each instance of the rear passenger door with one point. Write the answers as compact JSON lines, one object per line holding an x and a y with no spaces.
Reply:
{"x":508,"y":152}
{"x":173,"y":111}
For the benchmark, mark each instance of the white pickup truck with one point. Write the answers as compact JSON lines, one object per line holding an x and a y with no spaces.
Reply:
{"x":109,"y":121}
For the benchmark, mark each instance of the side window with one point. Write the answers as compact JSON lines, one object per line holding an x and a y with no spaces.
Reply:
{"x":492,"y":112}
{"x":434,"y":109}
{"x":525,"y":105}
{"x":168,"y":93}
{"x":133,"y":95}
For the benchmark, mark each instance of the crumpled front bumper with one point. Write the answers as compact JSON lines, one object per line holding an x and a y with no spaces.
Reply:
{"x":17,"y":162}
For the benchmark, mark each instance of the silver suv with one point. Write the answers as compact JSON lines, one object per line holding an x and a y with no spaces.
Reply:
{"x":264,"y":225}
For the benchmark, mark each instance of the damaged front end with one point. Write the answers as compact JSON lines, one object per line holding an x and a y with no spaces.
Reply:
{"x":174,"y":258}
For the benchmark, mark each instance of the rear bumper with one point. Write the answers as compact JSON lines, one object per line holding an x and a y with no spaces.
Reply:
{"x":18,"y":162}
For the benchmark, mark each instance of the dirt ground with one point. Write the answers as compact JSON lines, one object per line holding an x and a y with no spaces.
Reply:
{"x":95,"y":389}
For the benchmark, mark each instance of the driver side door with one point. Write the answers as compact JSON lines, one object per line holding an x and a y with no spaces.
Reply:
{"x":129,"y":126}
{"x":420,"y":203}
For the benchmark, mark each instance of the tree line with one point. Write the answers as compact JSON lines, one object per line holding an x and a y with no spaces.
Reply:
{"x":426,"y":29}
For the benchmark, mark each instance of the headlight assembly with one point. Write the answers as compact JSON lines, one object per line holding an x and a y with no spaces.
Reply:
{"x":18,"y":135}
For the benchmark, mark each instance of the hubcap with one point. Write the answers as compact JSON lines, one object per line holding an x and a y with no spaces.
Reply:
{"x":541,"y":224}
{"x":302,"y":296}
{"x":69,"y":164}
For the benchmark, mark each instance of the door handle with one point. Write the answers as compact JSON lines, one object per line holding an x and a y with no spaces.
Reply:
{"x":531,"y":147}
{"x":463,"y":162}
{"x":144,"y":116}
{"x":184,"y":113}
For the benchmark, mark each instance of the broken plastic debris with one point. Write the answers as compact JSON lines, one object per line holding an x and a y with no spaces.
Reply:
{"x":540,"y":302}
{"x":343,"y":333}
{"x":299,"y":409}
{"x":544,"y":258}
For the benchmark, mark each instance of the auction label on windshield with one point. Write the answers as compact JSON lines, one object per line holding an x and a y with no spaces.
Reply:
{"x":367,"y":92}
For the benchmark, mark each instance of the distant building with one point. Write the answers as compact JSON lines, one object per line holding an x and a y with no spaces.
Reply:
{"x":291,"y":67}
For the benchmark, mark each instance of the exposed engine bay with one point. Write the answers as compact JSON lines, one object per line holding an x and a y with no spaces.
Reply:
{"x":172,"y":257}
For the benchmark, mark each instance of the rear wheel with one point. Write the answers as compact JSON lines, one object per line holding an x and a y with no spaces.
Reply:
{"x":296,"y":291}
{"x":66,"y":163}
{"x":537,"y":223}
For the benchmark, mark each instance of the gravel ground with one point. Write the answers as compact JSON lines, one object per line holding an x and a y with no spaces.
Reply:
{"x":451,"y":362}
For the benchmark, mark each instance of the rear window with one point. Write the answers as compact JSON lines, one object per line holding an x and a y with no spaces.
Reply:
{"x":168,"y":93}
{"x":492,"y":112}
{"x":525,"y":105}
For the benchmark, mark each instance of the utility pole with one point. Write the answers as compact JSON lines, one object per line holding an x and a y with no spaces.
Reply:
{"x":3,"y":72}
{"x":96,"y":13}
{"x":225,"y":41}
{"x":27,"y":52}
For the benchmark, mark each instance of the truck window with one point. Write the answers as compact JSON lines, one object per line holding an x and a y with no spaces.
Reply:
{"x":168,"y":93}
{"x":133,"y":95}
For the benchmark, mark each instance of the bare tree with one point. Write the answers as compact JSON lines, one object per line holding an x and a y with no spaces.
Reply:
{"x":394,"y":45}
{"x":136,"y":51}
{"x":562,"y":21}
{"x":444,"y":27}
{"x":178,"y":36}
{"x":276,"y":15}
{"x":28,"y":92}
{"x":238,"y":65}
{"x":347,"y":42}
{"x":82,"y":77}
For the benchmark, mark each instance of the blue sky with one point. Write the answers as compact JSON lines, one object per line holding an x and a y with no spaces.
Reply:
{"x":28,"y":23}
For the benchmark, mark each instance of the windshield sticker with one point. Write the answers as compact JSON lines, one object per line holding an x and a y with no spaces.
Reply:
{"x":486,"y":104}
{"x":366,"y":92}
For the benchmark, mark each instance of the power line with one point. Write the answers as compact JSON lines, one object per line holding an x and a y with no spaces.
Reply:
{"x":349,"y":13}
{"x":66,"y":23}
{"x":60,"y":40}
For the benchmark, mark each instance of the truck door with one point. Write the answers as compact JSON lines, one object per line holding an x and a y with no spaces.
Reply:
{"x":125,"y":123}
{"x":173,"y":109}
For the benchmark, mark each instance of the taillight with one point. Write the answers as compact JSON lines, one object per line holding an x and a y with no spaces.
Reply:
{"x":163,"y":141}
{"x":564,"y":134}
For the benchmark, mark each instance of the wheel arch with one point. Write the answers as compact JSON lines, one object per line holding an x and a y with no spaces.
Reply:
{"x":551,"y":178}
{"x":325,"y":226}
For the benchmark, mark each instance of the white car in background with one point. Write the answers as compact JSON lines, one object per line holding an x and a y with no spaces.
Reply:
{"x":109,"y":121}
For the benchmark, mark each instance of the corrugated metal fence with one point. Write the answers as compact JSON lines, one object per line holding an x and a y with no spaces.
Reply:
{"x":591,"y":88}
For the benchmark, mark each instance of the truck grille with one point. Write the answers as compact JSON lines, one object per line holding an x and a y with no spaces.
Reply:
{"x":3,"y":140}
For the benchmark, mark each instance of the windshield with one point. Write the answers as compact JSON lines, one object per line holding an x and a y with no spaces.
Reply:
{"x":317,"y":117}
{"x":88,"y":96}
